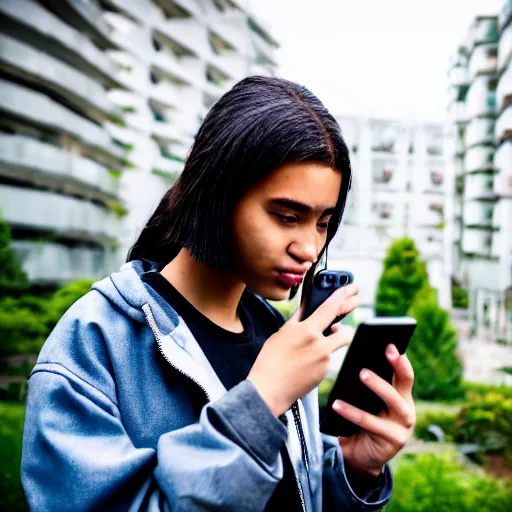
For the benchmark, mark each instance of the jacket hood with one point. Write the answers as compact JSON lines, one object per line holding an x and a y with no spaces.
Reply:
{"x":126,"y":291}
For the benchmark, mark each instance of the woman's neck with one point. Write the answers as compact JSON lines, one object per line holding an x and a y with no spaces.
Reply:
{"x":215,"y":293}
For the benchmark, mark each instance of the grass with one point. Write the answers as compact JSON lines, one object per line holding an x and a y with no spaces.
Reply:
{"x":11,"y":428}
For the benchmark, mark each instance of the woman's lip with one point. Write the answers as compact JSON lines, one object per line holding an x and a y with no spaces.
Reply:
{"x":289,"y":279}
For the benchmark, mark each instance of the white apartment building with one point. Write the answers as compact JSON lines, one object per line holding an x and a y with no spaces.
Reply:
{"x":479,"y":144}
{"x":99,"y":104}
{"x":398,"y":190}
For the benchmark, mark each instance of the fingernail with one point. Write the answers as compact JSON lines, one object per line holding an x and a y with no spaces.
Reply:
{"x":391,"y":352}
{"x":365,"y":374}
{"x":337,"y":405}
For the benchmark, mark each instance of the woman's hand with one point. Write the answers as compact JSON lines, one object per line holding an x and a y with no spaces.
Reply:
{"x":295,"y":359}
{"x":381,"y":437}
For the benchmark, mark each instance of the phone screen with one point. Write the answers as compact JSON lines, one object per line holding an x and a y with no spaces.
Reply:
{"x":367,"y":350}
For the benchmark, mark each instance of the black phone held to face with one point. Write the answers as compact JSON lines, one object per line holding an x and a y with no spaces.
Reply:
{"x":322,"y":285}
{"x":367,"y":350}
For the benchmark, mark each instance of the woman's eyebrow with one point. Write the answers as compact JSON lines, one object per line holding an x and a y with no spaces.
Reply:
{"x":300,"y":207}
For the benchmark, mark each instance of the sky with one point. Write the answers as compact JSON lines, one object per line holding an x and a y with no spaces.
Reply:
{"x":378,"y":58}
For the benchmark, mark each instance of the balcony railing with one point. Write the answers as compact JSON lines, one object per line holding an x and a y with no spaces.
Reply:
{"x":503,"y":163}
{"x":40,"y":110}
{"x":29,"y":159}
{"x":48,"y":263}
{"x":478,"y":213}
{"x":481,"y":98}
{"x":485,"y":30}
{"x":504,"y":90}
{"x":477,"y":241}
{"x":479,"y":158}
{"x":63,"y":79}
{"x":480,"y":130}
{"x":478,"y":186}
{"x":458,"y":76}
{"x":505,"y":15}
{"x":458,"y":113}
{"x":505,"y":49}
{"x":483,"y":60}
{"x":188,"y":33}
{"x":65,"y":216}
{"x":503,"y":128}
{"x":66,"y":43}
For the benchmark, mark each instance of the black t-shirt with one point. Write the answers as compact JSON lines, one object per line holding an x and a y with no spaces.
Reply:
{"x":232,"y":356}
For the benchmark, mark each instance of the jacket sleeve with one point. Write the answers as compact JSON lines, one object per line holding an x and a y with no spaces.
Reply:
{"x":338,"y":495}
{"x":77,"y":455}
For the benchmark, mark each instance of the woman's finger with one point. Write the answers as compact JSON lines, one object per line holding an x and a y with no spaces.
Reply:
{"x":397,"y":405}
{"x":386,"y":428}
{"x":404,"y":373}
{"x":342,"y":336}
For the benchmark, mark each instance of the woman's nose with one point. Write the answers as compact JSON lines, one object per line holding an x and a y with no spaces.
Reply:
{"x":304,"y":248}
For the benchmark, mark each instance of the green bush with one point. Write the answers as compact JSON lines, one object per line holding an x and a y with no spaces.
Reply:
{"x":477,"y":388}
{"x":445,"y":420}
{"x":459,"y":298}
{"x":487,"y":420}
{"x":12,"y":277}
{"x":433,"y":483}
{"x":323,"y":391}
{"x":12,"y":498}
{"x":26,"y":321}
{"x":403,"y":276}
{"x":285,"y":307}
{"x":433,"y":351}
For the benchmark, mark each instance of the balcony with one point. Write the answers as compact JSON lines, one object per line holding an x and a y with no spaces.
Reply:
{"x":172,"y":67}
{"x":40,"y":68}
{"x":479,"y":158}
{"x":426,"y":213}
{"x":65,"y":216}
{"x":478,"y":186}
{"x":481,"y":98}
{"x":503,"y":129}
{"x":478,"y":214}
{"x":504,"y":90}
{"x":477,"y":241}
{"x":505,"y":49}
{"x":167,"y":167}
{"x":23,"y":158}
{"x":457,"y":113}
{"x":436,"y":178}
{"x":387,"y":137}
{"x":166,"y":132}
{"x":166,"y":94}
{"x":129,"y":35}
{"x":503,"y":163}
{"x":485,"y":30}
{"x":188,"y":34}
{"x":49,"y":263}
{"x":141,"y":11}
{"x":230,"y":63}
{"x":483,"y":60}
{"x":458,"y":76}
{"x":480,"y":130}
{"x":40,"y":110}
{"x":264,"y":51}
{"x":30,"y":21}
{"x":505,"y":15}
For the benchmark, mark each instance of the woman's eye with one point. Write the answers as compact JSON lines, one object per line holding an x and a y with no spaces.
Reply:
{"x":286,"y":219}
{"x":323,"y":225}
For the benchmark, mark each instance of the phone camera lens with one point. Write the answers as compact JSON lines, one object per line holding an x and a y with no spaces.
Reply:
{"x":327,"y":281}
{"x":343,"y":280}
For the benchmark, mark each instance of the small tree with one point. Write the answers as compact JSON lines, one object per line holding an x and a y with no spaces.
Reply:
{"x":433,"y":350}
{"x":403,"y":276}
{"x":12,"y":277}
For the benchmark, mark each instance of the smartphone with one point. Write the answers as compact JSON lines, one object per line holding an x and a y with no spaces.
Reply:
{"x":323,"y":284}
{"x":367,"y":350}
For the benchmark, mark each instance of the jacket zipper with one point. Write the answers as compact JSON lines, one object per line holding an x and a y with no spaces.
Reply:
{"x":156,"y":334}
{"x":295,"y":407}
{"x":300,"y":433}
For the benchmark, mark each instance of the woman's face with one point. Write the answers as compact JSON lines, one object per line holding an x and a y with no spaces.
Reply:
{"x":280,"y":226}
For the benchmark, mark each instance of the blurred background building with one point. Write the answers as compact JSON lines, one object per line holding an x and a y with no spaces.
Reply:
{"x":398,"y":190}
{"x":99,"y":103}
{"x":479,"y":145}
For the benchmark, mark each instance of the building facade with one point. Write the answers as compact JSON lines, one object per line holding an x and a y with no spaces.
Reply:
{"x":99,"y":104}
{"x":398,"y":190}
{"x":479,"y":144}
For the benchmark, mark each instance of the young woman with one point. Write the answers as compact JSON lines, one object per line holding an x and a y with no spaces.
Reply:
{"x":172,"y":384}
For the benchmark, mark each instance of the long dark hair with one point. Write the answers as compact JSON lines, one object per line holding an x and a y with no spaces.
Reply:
{"x":259,"y":125}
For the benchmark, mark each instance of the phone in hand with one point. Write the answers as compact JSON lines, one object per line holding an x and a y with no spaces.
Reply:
{"x":367,"y":350}
{"x":322,"y":285}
